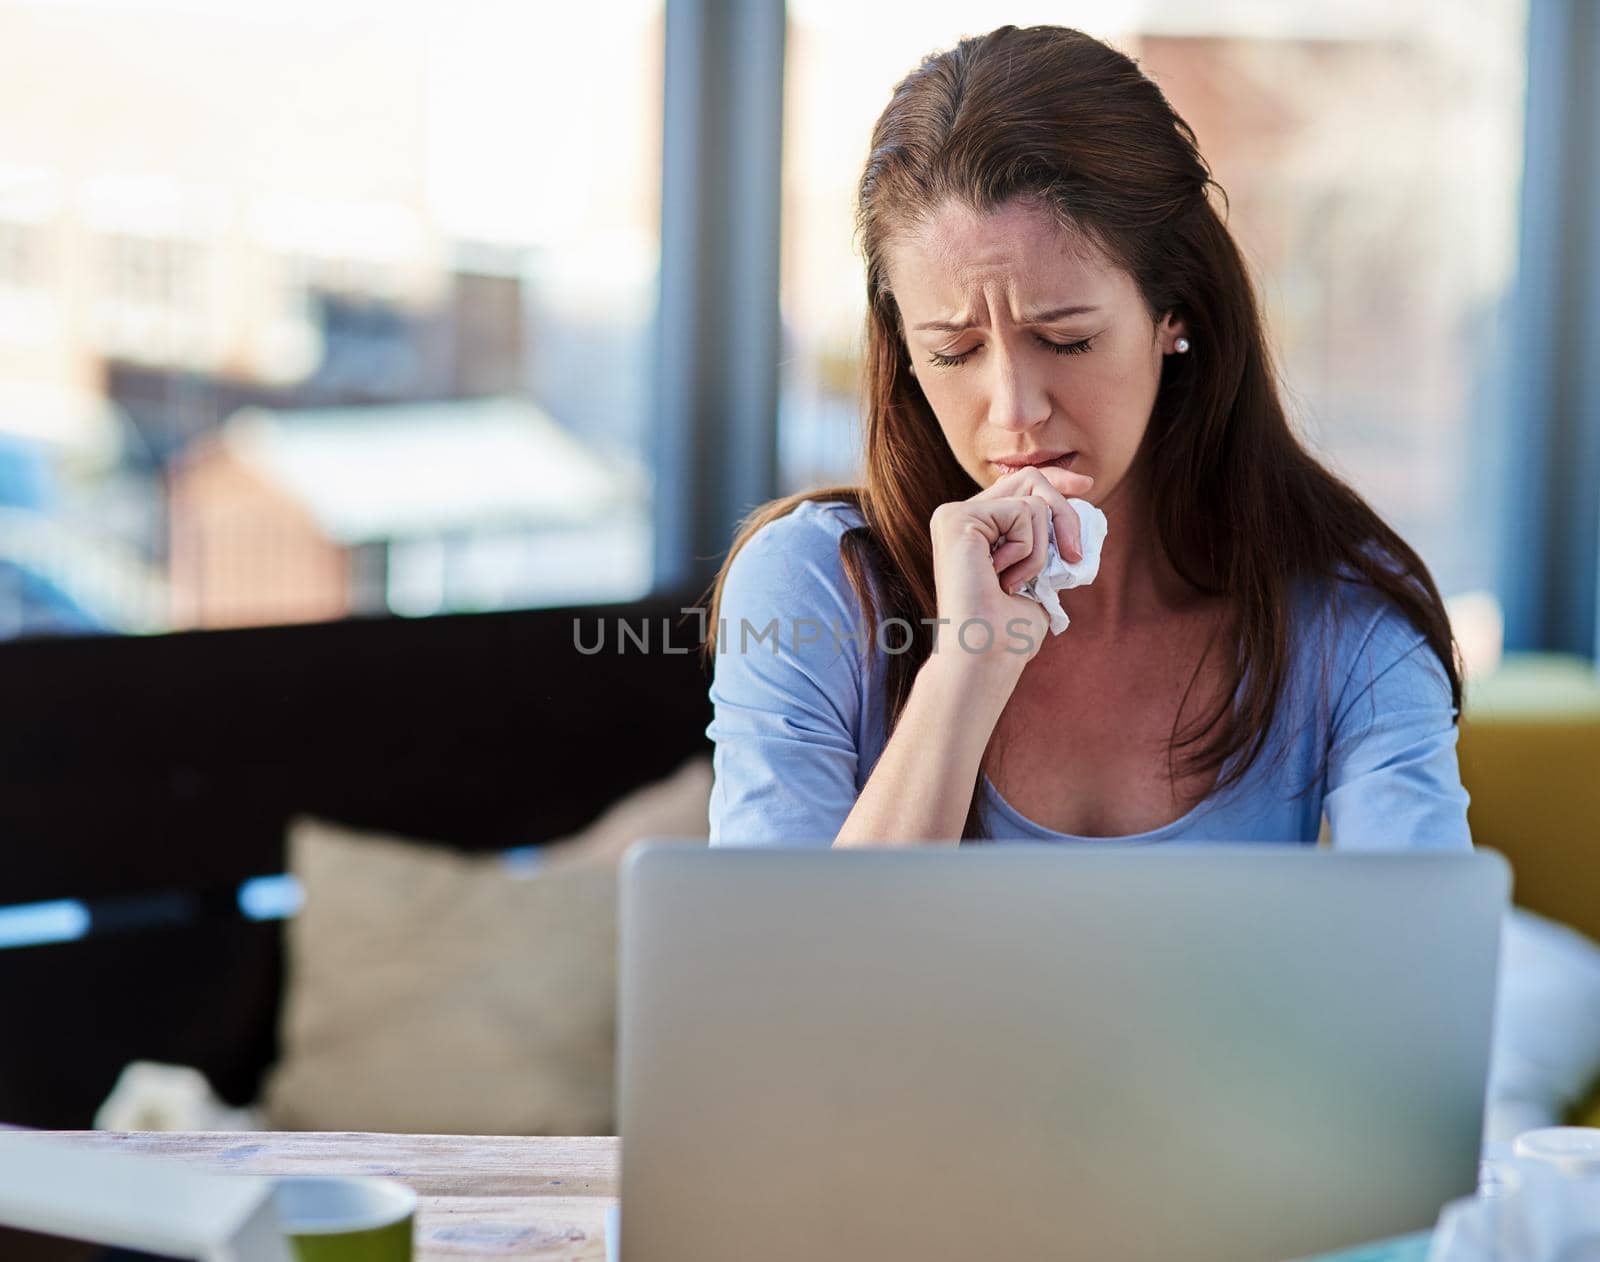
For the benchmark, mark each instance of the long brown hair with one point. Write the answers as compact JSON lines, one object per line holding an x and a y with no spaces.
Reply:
{"x":1241,"y":507}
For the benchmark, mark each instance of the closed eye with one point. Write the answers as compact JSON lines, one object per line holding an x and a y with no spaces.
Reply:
{"x":1056,"y":348}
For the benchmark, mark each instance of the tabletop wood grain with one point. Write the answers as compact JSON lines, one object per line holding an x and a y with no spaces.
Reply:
{"x":479,"y":1196}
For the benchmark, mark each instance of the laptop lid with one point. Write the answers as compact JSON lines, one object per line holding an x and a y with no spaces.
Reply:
{"x":1222,"y":1054}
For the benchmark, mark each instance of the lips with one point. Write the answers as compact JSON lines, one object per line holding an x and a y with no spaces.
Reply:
{"x":1012,"y":464}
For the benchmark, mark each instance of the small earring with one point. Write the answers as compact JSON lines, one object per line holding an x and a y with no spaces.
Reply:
{"x":1181,"y":345}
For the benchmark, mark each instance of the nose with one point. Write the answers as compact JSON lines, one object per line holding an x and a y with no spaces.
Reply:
{"x":1018,"y":399}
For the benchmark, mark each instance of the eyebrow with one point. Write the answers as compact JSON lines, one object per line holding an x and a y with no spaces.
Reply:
{"x":1032,"y":317}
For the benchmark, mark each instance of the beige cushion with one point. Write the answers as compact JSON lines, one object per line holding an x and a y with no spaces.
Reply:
{"x":434,"y":992}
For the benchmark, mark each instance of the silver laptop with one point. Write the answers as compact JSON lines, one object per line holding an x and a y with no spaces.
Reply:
{"x":1216,"y":1054}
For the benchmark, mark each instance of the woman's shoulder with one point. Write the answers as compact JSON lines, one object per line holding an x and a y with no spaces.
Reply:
{"x":805,"y":540}
{"x":810,"y":526}
{"x":1358,"y":632}
{"x":1350,"y":608}
{"x":792,"y":565}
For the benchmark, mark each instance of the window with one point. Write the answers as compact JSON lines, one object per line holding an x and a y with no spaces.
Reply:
{"x":1371,"y":153}
{"x":319,"y":309}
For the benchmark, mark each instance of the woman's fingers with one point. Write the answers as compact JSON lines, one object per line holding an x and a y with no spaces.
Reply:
{"x":1015,"y":518}
{"x":1069,"y":533}
{"x":1054,"y":486}
{"x":1069,"y":530}
{"x":1066,"y":481}
{"x":1031,"y":563}
{"x":988,"y":545}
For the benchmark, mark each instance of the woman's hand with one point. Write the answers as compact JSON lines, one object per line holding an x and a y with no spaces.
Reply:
{"x":986,"y":547}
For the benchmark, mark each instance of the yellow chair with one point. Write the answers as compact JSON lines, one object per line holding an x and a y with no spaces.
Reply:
{"x":1530,"y":758}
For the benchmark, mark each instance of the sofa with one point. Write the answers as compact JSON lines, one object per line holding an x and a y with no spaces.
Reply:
{"x":149,"y":778}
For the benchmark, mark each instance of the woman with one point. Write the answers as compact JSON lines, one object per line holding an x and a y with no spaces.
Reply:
{"x":1056,"y":311}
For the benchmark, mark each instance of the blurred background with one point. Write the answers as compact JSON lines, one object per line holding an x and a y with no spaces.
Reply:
{"x":353,"y":353}
{"x":310,"y":310}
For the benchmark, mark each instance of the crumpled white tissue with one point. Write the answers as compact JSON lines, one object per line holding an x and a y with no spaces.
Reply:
{"x":1525,"y":1211}
{"x":150,"y":1096}
{"x":1059,"y":573}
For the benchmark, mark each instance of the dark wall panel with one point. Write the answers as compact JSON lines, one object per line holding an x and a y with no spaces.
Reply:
{"x":147,"y":766}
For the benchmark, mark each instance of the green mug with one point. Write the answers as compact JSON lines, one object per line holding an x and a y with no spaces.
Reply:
{"x":346,"y":1218}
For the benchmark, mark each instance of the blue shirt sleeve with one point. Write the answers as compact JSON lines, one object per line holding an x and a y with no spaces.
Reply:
{"x":1393,"y":779}
{"x":786,"y":688}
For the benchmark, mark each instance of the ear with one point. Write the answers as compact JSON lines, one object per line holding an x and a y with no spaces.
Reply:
{"x":1171,"y":328}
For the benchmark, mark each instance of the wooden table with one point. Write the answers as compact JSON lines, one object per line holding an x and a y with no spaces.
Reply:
{"x":479,"y":1196}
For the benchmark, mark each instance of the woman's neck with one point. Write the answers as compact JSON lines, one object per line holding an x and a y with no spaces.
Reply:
{"x":1137,"y":585}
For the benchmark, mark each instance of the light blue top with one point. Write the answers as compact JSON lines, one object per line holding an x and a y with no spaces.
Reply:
{"x":800,"y":715}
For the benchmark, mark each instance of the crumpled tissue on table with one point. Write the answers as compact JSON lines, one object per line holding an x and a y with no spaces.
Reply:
{"x":1525,"y":1211}
{"x":1060,"y":573}
{"x":151,"y":1096}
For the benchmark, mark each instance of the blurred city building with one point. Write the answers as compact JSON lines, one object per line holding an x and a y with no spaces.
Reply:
{"x":314,"y":206}
{"x":311,"y":206}
{"x":416,"y":508}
